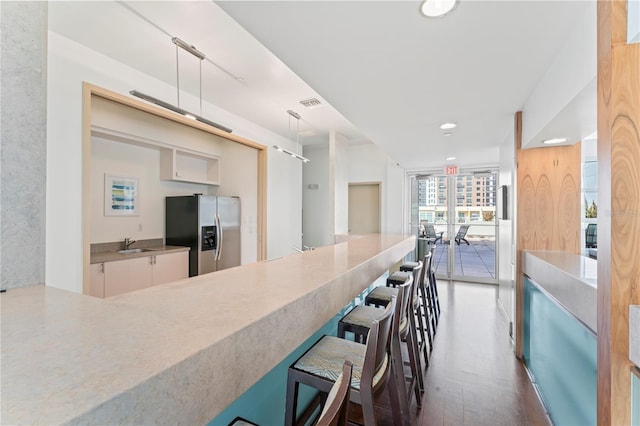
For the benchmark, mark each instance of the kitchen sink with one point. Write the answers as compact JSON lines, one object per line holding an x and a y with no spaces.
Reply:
{"x":132,"y":251}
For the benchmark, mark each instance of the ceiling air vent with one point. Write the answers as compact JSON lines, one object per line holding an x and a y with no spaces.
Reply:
{"x":310,"y":103}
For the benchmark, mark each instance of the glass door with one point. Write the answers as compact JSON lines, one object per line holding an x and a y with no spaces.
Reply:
{"x":458,"y":215}
{"x":473,"y":239}
{"x":433,"y":212}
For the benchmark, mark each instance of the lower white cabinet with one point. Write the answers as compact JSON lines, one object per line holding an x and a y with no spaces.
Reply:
{"x":170,"y":267}
{"x":96,"y":272}
{"x":122,"y":276}
{"x":127,"y":275}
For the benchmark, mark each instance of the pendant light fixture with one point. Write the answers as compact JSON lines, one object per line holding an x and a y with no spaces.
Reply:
{"x":286,"y":151}
{"x":198,"y":54}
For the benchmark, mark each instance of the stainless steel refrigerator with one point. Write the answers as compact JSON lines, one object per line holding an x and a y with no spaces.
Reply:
{"x":209,"y":225}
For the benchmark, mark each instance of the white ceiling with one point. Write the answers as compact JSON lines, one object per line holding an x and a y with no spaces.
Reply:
{"x":383,"y":72}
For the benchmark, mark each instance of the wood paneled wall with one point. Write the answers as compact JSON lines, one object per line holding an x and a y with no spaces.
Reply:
{"x":618,"y":208}
{"x":548,"y":206}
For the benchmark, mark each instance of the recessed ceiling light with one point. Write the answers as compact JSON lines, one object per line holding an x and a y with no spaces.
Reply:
{"x":437,"y":8}
{"x":447,"y":134}
{"x":554,"y":141}
{"x":451,"y":158}
{"x":447,"y":126}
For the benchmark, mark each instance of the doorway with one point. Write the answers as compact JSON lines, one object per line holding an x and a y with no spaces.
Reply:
{"x":364,"y":208}
{"x":458,"y":214}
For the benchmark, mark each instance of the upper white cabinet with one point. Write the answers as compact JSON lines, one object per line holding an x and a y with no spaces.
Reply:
{"x":177,"y":164}
{"x":186,"y":166}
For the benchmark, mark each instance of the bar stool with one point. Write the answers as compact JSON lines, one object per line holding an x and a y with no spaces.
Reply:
{"x":359,"y":319}
{"x":434,"y":285}
{"x":425,"y":327}
{"x":320,"y":366}
{"x":380,"y":297}
{"x":335,"y":411}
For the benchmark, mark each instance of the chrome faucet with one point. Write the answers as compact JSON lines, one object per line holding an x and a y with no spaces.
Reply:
{"x":127,"y":243}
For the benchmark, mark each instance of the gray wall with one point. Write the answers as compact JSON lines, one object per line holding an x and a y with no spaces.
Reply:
{"x":23,"y":121}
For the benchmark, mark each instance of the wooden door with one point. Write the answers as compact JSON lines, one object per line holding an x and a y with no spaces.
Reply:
{"x":364,"y":208}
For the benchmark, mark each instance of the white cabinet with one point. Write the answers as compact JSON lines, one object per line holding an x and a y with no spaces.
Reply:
{"x":170,"y":267}
{"x":176,"y":163}
{"x":186,"y":166}
{"x":96,"y":280}
{"x":122,"y":276}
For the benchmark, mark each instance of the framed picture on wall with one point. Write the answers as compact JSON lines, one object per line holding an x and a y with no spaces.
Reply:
{"x":120,"y":196}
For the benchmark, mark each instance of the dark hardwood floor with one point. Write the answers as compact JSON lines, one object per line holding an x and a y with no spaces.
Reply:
{"x":474,"y":377}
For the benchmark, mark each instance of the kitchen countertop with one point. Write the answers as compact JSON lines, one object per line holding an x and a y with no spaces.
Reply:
{"x":177,"y":353}
{"x":111,"y":256}
{"x":569,"y":278}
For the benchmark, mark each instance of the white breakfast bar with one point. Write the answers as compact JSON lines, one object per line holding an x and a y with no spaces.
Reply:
{"x":176,"y":353}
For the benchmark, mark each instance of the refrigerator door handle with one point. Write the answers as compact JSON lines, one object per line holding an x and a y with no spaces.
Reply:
{"x":220,"y":237}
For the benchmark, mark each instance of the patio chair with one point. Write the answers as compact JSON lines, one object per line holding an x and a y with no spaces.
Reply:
{"x":591,"y":236}
{"x":431,"y":234}
{"x":462,"y":233}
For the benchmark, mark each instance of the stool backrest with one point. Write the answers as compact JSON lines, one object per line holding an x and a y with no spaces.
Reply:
{"x":336,"y":407}
{"x":427,"y":262}
{"x":403,"y":304}
{"x":418,"y":274}
{"x":376,"y":352}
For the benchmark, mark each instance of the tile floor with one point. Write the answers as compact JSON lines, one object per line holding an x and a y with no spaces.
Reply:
{"x":478,"y":259}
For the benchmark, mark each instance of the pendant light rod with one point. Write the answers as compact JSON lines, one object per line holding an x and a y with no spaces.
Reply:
{"x":177,"y":77}
{"x":286,"y":151}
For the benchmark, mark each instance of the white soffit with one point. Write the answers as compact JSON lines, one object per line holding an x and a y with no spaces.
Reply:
{"x":564,"y":103}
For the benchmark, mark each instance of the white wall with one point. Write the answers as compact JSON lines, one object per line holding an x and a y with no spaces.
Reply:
{"x":317,"y":220}
{"x":368,"y":163}
{"x":69,"y":64}
{"x":120,"y":159}
{"x":339,"y":182}
{"x":506,"y":232}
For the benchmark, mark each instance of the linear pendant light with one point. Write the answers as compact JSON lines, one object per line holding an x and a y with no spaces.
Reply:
{"x":286,"y":151}
{"x":293,"y":154}
{"x":181,"y":111}
{"x":198,"y":54}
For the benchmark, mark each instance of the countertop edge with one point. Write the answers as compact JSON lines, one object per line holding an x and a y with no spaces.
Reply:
{"x":578,"y":296}
{"x":110,"y":256}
